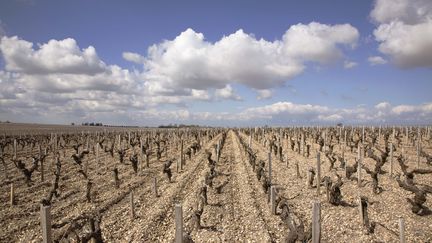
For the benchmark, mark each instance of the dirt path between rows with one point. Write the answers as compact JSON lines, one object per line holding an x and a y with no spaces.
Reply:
{"x":239,"y":212}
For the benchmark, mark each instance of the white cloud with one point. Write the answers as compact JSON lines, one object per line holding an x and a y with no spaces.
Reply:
{"x":404,"y":31}
{"x":408,"y":11}
{"x":318,"y":42}
{"x":178,"y":115}
{"x":81,"y":86}
{"x":8,"y":89}
{"x":72,"y":80}
{"x":382,"y":106}
{"x":407,"y":109}
{"x":200,"y":94}
{"x":284,"y":113}
{"x":376,"y":60}
{"x":227,"y":93}
{"x":286,"y":108}
{"x":384,"y":112}
{"x":330,"y":118}
{"x":62,"y":56}
{"x":133,"y":57}
{"x":78,"y":85}
{"x":349,"y":64}
{"x":189,"y":61}
{"x":264,"y":94}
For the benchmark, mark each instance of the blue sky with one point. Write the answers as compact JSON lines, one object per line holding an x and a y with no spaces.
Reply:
{"x":159,"y":62}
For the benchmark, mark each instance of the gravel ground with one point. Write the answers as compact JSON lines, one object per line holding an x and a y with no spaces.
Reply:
{"x":239,"y":213}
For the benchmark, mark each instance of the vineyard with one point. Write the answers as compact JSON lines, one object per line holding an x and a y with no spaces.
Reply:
{"x":293,"y":184}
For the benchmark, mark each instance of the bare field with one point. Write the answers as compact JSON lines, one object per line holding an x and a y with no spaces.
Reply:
{"x":27,"y":128}
{"x":100,"y":184}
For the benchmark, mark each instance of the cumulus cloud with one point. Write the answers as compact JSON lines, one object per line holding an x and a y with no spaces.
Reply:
{"x":264,"y":94}
{"x":61,"y":79}
{"x":303,"y":111}
{"x":330,"y":118}
{"x":383,"y":112}
{"x":408,"y":11}
{"x":58,"y":77}
{"x":404,"y":31}
{"x":376,"y":60}
{"x":410,"y":109}
{"x":62,"y":56}
{"x":349,"y":64}
{"x":8,"y":89}
{"x":318,"y":42}
{"x":189,"y":61}
{"x":227,"y":93}
{"x":133,"y":57}
{"x":382,"y":106}
{"x":200,"y":94}
{"x":61,"y":73}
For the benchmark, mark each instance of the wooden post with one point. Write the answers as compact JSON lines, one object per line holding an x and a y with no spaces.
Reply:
{"x":181,"y":155}
{"x":318,"y":176}
{"x":129,"y":138}
{"x":86,"y":165}
{"x":343,"y":156}
{"x":179,"y":223}
{"x":379,"y":133}
{"x":391,"y":159}
{"x":325,"y":141}
{"x":308,"y":176}
{"x":141,"y":146}
{"x":87,"y":142}
{"x":178,"y":165}
{"x":270,"y":168}
{"x":155,"y":187}
{"x":360,"y":158}
{"x":327,"y":190}
{"x":218,"y":152}
{"x":273,"y":199}
{"x":406,"y":136}
{"x":361,"y":211}
{"x":42,"y":170}
{"x":12,"y":194}
{"x":303,"y":144}
{"x":418,"y":135}
{"x":55,"y":143}
{"x":402,"y":230}
{"x":132,"y":205}
{"x":46,"y":223}
{"x":418,"y":154}
{"x":316,"y":222}
{"x":15,"y":148}
{"x":97,"y":152}
{"x":345,"y":136}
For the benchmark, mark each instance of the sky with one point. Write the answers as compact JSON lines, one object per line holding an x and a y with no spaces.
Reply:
{"x":216,"y":63}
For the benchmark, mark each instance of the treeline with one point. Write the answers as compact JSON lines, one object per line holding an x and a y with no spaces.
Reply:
{"x":99,"y":124}
{"x":177,"y":126}
{"x":96,"y":124}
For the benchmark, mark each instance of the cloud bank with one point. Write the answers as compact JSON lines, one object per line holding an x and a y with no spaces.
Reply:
{"x":404,"y":31}
{"x":62,"y":81}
